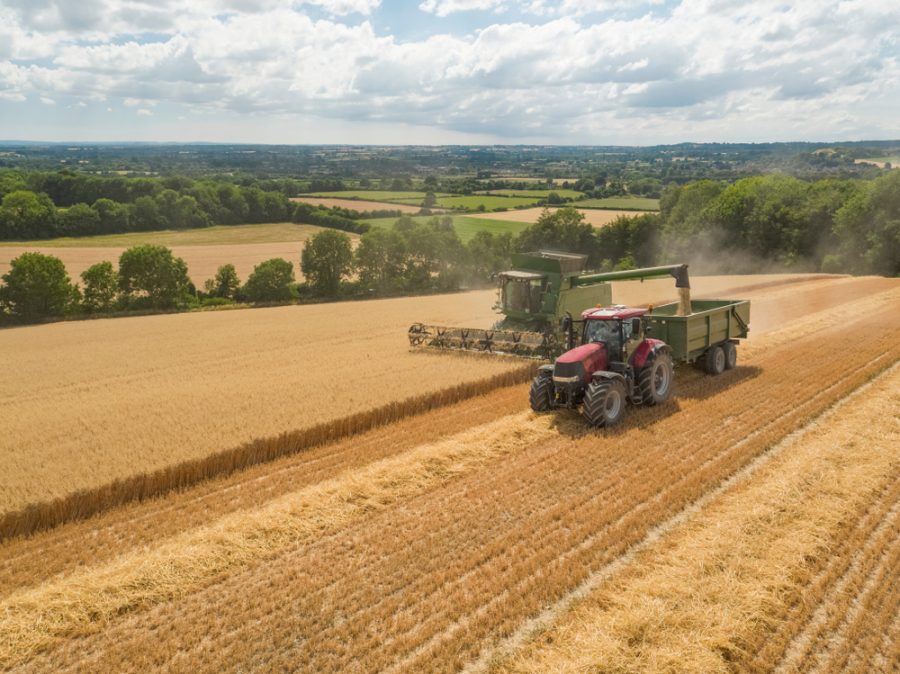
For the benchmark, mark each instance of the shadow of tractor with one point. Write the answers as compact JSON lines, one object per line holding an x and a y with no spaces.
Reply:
{"x":690,"y":384}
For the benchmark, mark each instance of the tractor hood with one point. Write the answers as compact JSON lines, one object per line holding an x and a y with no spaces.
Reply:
{"x":580,"y":353}
{"x":578,"y":364}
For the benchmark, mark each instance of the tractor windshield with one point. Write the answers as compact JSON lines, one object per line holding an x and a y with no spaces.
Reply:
{"x":606,"y":331}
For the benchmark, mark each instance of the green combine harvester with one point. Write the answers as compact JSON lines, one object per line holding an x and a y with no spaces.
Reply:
{"x":534,"y":298}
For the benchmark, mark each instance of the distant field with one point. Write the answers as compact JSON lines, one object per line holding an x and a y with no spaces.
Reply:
{"x":375,"y":195}
{"x":358,"y":204}
{"x":466,"y":226}
{"x":596,"y":217}
{"x":490,"y":203}
{"x":221,"y":234}
{"x":881,"y":161}
{"x":556,"y":181}
{"x":543,"y":194}
{"x":622,"y":203}
{"x":444,"y":200}
{"x":204,"y":250}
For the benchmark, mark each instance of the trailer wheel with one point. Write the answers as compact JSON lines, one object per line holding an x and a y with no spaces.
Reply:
{"x":604,"y":402}
{"x":541,"y":395}
{"x":714,"y":360}
{"x":730,"y":355}
{"x":655,"y":380}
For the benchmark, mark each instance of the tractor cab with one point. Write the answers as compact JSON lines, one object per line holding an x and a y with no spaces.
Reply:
{"x":618,"y":327}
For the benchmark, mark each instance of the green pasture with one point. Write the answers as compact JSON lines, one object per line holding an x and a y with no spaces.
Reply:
{"x":466,"y":226}
{"x":621,"y":203}
{"x":542,"y":193}
{"x":375,"y":195}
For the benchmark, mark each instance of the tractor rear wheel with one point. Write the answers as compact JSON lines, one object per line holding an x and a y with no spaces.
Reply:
{"x":655,"y":380}
{"x":714,"y":360}
{"x":604,"y":402}
{"x":730,"y":355}
{"x":541,"y":395}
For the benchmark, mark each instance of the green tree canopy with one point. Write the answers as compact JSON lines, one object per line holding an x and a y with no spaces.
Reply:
{"x":868,"y":227}
{"x":271,"y":281}
{"x":563,"y":229}
{"x":37,"y":286}
{"x":380,"y":259}
{"x":101,"y":286}
{"x":152,"y":272}
{"x":79,"y":220}
{"x":225,"y":283}
{"x":326,"y":259}
{"x":27,"y":215}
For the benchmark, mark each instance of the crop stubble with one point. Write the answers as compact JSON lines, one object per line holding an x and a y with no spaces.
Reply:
{"x":429,"y":584}
{"x":805,"y":549}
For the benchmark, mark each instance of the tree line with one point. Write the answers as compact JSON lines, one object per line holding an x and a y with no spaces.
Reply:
{"x":410,"y":257}
{"x":755,"y":224}
{"x":763,"y":223}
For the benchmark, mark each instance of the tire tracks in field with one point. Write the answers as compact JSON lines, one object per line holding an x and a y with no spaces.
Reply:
{"x":476,"y":540}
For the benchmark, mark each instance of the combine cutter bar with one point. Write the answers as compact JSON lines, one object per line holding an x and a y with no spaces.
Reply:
{"x":509,"y":342}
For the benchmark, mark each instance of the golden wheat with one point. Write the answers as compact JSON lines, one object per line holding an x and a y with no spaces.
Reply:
{"x":426,"y":583}
{"x":127,"y":408}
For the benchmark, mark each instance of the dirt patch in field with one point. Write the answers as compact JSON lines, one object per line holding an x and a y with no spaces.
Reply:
{"x":595,"y":217}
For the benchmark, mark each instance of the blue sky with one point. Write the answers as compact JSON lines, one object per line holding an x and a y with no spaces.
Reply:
{"x":449,"y":71}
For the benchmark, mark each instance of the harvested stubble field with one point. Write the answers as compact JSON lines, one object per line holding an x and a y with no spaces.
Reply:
{"x":594,"y":217}
{"x":204,"y":251}
{"x":460,"y":538}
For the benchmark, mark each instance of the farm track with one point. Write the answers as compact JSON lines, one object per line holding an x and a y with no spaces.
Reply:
{"x":427,"y":583}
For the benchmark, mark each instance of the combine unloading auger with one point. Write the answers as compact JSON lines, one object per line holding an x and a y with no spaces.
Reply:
{"x":534,"y":297}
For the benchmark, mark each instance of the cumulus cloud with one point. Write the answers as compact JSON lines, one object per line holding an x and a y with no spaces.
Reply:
{"x":564,"y":71}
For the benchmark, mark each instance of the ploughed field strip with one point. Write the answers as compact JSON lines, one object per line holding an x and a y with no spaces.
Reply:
{"x":426,"y":582}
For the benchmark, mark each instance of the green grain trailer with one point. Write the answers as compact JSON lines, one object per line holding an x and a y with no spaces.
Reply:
{"x":693,"y":338}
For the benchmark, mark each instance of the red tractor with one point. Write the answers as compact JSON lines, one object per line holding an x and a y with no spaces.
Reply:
{"x":619,"y":362}
{"x":616,"y":363}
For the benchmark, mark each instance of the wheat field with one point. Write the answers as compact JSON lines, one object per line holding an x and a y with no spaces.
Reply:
{"x":478,"y":536}
{"x":130,"y":397}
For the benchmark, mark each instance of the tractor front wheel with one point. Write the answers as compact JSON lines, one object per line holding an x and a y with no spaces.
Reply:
{"x":604,"y":402}
{"x":541,"y":395}
{"x":655,"y":380}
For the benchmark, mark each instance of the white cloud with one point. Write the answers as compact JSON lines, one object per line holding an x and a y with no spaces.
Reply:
{"x":561,"y":72}
{"x":144,"y":112}
{"x":446,"y":7}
